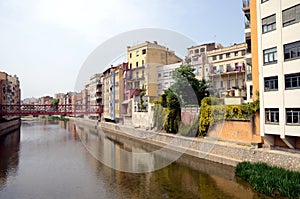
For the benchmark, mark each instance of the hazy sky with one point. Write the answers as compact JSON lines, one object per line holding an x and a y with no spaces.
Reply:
{"x":45,"y":42}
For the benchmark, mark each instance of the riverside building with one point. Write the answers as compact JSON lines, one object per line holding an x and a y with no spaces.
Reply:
{"x":278,"y":28}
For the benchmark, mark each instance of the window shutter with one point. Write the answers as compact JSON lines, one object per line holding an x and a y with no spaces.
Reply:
{"x":269,"y":20}
{"x":298,"y":12}
{"x":289,"y":15}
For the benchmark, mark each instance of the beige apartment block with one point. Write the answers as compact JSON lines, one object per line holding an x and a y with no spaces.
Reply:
{"x":197,"y":58}
{"x":227,"y":70}
{"x":3,"y":81}
{"x":95,"y":80}
{"x":109,"y":111}
{"x":143,"y":60}
{"x":278,"y":25}
{"x":10,"y":92}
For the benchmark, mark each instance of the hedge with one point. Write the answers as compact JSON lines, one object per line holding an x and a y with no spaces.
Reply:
{"x":212,"y":111}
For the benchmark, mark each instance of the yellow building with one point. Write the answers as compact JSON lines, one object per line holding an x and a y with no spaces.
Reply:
{"x":143,"y":60}
{"x":119,"y":89}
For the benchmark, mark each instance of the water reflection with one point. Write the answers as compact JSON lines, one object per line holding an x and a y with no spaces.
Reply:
{"x":53,"y":160}
{"x":186,"y":178}
{"x":9,"y":156}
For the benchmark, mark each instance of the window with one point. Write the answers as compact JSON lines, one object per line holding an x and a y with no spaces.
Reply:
{"x":293,"y":115}
{"x":144,"y":51}
{"x":236,"y":53}
{"x":221,"y":84}
{"x":143,"y":74}
{"x":228,"y":67}
{"x":137,"y":64}
{"x":220,"y":56}
{"x":291,"y":15}
{"x":137,"y":53}
{"x":292,"y":50}
{"x":270,"y":56}
{"x":228,"y":84}
{"x":227,"y":55}
{"x":236,"y":83}
{"x":166,"y":74}
{"x":130,"y":65}
{"x":130,"y":55}
{"x":272,"y":115}
{"x":262,"y":1}
{"x":269,"y":23}
{"x":292,"y":81}
{"x":221,"y":69}
{"x":243,"y":52}
{"x":159,"y":74}
{"x":137,"y":74}
{"x":195,"y":58}
{"x":202,"y":50}
{"x":197,"y":51}
{"x":271,"y":83}
{"x":214,"y":57}
{"x":143,"y":62}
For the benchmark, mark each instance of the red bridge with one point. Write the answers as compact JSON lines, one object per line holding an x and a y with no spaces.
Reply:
{"x":29,"y":109}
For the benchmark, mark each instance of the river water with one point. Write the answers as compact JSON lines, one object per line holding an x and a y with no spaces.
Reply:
{"x":50,"y":159}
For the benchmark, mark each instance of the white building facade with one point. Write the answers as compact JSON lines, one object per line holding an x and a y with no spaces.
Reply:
{"x":165,"y":76}
{"x":279,"y":70}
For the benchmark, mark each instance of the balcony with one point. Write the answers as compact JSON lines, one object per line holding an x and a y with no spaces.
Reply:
{"x":246,"y":5}
{"x":238,"y":69}
{"x":249,"y":77}
{"x":247,"y":24}
{"x":99,"y":90}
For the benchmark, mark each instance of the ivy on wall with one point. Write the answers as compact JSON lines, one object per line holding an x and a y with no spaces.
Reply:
{"x":212,"y":111}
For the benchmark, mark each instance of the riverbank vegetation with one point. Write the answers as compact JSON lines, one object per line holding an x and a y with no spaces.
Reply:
{"x":270,"y":180}
{"x":212,"y":111}
{"x":54,"y":117}
{"x":187,"y":89}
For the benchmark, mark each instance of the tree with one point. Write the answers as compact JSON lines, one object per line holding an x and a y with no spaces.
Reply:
{"x":187,"y":87}
{"x":55,"y":101}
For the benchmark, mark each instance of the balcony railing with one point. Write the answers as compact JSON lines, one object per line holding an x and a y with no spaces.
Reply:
{"x":249,"y":77}
{"x":228,"y":70}
{"x":246,"y":3}
{"x":247,"y":24}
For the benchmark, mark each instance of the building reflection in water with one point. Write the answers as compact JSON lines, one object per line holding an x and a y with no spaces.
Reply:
{"x":9,"y":156}
{"x":186,"y":178}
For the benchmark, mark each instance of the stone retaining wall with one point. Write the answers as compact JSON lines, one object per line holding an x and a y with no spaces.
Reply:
{"x":9,"y":126}
{"x":213,"y":150}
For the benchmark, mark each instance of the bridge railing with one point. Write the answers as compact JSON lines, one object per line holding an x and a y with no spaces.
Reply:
{"x":63,"y":109}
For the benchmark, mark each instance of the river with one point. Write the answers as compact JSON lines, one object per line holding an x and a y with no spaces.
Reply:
{"x":51,"y":159}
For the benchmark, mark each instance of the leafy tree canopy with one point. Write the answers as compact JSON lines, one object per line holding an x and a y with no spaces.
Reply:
{"x":187,"y":87}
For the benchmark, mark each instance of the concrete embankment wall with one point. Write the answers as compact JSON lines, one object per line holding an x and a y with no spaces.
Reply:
{"x":217,"y":151}
{"x":9,"y":126}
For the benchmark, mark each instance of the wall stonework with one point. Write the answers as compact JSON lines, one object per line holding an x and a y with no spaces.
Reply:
{"x":213,"y":150}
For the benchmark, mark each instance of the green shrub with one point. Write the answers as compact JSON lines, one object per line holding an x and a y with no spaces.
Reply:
{"x":172,"y":121}
{"x":159,"y":116}
{"x":270,"y":180}
{"x":212,"y":111}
